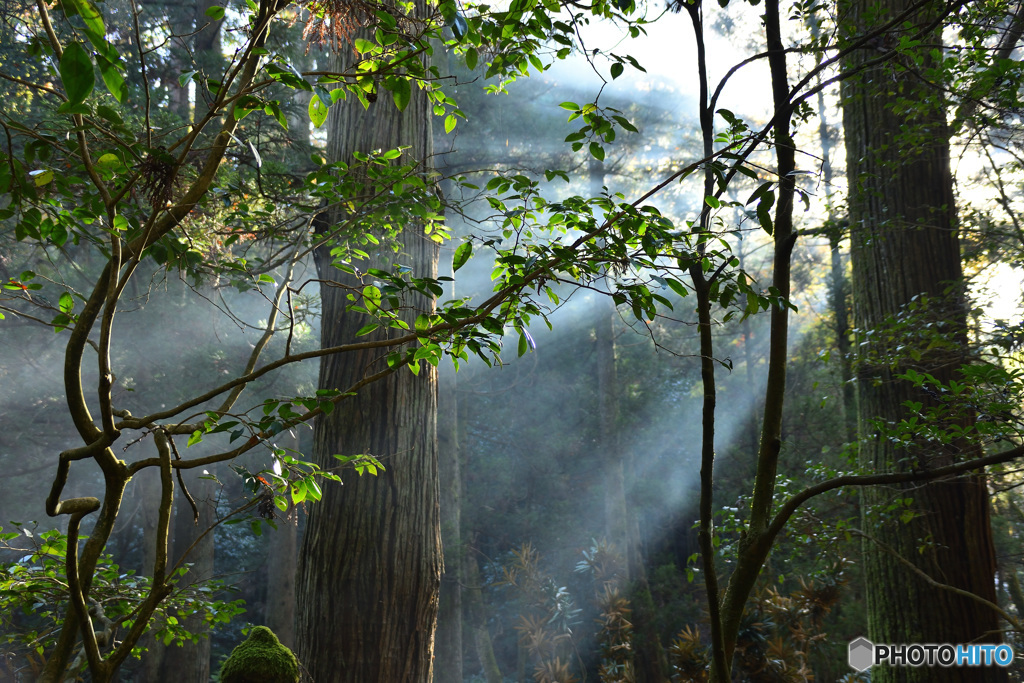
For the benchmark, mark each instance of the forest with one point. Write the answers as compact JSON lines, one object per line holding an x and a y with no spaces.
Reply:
{"x":566,"y":341}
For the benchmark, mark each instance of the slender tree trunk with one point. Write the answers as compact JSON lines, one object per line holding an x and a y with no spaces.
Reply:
{"x":370,"y":565}
{"x":620,"y":529}
{"x":838,"y":285}
{"x":903,"y":245}
{"x":281,"y":569}
{"x":148,"y":485}
{"x":448,"y":668}
{"x":478,"y":621}
{"x":191,"y":661}
{"x":615,"y":518}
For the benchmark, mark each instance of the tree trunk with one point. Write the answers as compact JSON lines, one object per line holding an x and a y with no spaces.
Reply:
{"x":191,"y":661}
{"x":281,"y":578}
{"x":281,"y":568}
{"x":478,"y":621}
{"x":621,"y":527}
{"x":147,"y":485}
{"x":904,"y":244}
{"x":370,"y":564}
{"x":838,"y":286}
{"x":448,"y":667}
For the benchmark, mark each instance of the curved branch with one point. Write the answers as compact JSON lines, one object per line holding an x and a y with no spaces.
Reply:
{"x":794,"y":503}
{"x":938,"y":584}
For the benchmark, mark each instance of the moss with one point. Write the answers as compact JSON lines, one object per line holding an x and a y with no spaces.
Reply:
{"x":261,"y":658}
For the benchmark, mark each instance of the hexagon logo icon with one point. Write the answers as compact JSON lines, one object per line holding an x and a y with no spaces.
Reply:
{"x":862,"y":654}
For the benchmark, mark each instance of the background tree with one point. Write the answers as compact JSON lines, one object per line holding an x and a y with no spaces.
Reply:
{"x":372,"y":549}
{"x":906,"y":255}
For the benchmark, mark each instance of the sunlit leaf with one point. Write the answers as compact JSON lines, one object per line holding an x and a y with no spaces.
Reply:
{"x":109,"y":161}
{"x":91,"y":15}
{"x":41,"y":178}
{"x":462,"y":255}
{"x":459,"y":27}
{"x":255,"y":154}
{"x":317,"y":111}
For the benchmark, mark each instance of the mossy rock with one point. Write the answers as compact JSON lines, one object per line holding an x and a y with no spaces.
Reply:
{"x":261,"y":658}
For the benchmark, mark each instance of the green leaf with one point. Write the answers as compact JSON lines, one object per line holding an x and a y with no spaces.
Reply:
{"x":462,"y":255}
{"x":401,"y":91}
{"x":471,"y":58}
{"x":676,"y":286}
{"x":185,"y":77}
{"x":386,"y":19}
{"x":109,"y":114}
{"x":216,"y":13}
{"x":41,"y":177}
{"x":756,"y":194}
{"x":67,"y":302}
{"x":77,"y":73}
{"x":616,"y":70}
{"x":364,"y":46}
{"x":712,"y":201}
{"x":74,"y":108}
{"x":317,"y":111}
{"x":274,"y":109}
{"x":459,"y":27}
{"x":524,"y":345}
{"x":597,"y":151}
{"x":108,"y":162}
{"x":112,"y":78}
{"x":449,"y":123}
{"x":764,"y":211}
{"x":91,"y":16}
{"x":422,"y":321}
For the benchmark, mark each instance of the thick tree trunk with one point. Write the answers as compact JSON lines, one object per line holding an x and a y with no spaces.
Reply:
{"x":904,"y":244}
{"x":370,"y":564}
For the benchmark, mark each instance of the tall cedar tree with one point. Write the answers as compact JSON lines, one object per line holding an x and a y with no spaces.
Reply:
{"x":904,"y":244}
{"x":371,"y":554}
